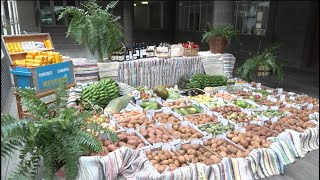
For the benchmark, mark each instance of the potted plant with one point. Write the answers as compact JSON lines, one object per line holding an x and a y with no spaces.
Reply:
{"x":56,"y":134}
{"x":95,"y":27}
{"x":217,"y":37}
{"x":262,"y":64}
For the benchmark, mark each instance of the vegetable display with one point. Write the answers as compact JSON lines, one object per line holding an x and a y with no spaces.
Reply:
{"x":216,"y":128}
{"x":100,"y":93}
{"x":184,"y":111}
{"x":201,"y":81}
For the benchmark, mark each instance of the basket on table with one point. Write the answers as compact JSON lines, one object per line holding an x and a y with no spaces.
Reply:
{"x":190,"y":49}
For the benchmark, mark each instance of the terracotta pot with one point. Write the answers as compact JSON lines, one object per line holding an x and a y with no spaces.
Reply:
{"x":218,"y":44}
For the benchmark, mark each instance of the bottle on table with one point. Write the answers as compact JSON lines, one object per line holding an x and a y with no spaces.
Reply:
{"x":144,"y":53}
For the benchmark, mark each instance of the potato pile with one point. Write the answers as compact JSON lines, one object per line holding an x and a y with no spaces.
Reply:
{"x":178,"y":103}
{"x":226,"y":110}
{"x":166,"y":118}
{"x":271,"y":103}
{"x":260,"y":131}
{"x":223,"y":148}
{"x":132,"y":119}
{"x":155,"y":134}
{"x":277,"y":126}
{"x":127,"y":140}
{"x":162,"y":159}
{"x":196,"y":153}
{"x":296,"y":124}
{"x":308,"y":99}
{"x":299,"y":113}
{"x":201,"y":119}
{"x":225,"y":96}
{"x":248,"y":140}
{"x":185,"y":132}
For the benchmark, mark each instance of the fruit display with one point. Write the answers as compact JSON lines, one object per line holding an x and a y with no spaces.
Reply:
{"x":132,"y":119}
{"x":161,"y":91}
{"x":269,"y":113}
{"x":208,"y":101}
{"x":184,"y":111}
{"x":277,"y":126}
{"x":150,"y":105}
{"x":248,"y":140}
{"x":166,"y":118}
{"x":260,"y":131}
{"x":190,"y":45}
{"x":181,"y":102}
{"x":241,"y":117}
{"x":184,"y":132}
{"x":173,"y":95}
{"x":198,"y":119}
{"x":262,"y":91}
{"x":224,"y":148}
{"x":243,"y":104}
{"x":154,"y":134}
{"x":201,"y":81}
{"x":225,"y":96}
{"x":192,"y":92}
{"x":117,"y":104}
{"x":100,"y":93}
{"x":162,"y":160}
{"x":196,"y":153}
{"x":102,"y":120}
{"x":226,"y":110}
{"x":216,"y":128}
{"x":144,"y":95}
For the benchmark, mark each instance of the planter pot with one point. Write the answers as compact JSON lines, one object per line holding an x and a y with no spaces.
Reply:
{"x":218,"y":44}
{"x":263,"y":71}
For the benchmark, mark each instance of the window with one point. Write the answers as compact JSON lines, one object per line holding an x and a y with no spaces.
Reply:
{"x":251,"y":17}
{"x":150,"y":16}
{"x":194,"y":15}
{"x":50,"y":11}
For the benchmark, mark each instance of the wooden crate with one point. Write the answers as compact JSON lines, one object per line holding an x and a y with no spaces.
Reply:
{"x":40,"y":37}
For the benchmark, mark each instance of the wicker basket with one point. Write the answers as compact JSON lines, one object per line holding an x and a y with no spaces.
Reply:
{"x":190,"y":51}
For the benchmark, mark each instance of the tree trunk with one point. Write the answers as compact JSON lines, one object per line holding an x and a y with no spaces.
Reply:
{"x":128,"y":19}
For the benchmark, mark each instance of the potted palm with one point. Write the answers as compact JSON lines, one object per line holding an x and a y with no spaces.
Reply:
{"x":217,"y":37}
{"x":94,"y":27}
{"x":54,"y":133}
{"x":262,"y":64}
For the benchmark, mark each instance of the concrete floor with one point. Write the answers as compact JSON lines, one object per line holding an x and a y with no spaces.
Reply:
{"x":306,"y":168}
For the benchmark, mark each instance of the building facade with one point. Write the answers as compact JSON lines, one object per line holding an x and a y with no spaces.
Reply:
{"x":293,"y":24}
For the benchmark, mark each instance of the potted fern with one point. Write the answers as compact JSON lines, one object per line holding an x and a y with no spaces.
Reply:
{"x":54,"y":133}
{"x":95,"y":27}
{"x":262,"y":64}
{"x":217,"y":37}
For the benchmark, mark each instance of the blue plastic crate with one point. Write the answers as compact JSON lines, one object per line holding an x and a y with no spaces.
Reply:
{"x":43,"y":78}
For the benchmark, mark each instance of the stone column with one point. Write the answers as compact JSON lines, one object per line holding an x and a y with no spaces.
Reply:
{"x":128,"y":20}
{"x":223,"y":12}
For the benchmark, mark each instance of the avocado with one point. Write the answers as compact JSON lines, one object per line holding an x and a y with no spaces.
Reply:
{"x":161,"y":91}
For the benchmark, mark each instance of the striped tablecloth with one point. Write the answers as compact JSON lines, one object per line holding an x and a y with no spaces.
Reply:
{"x":151,"y":72}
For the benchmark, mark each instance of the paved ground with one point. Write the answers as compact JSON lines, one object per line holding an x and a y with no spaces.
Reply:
{"x":306,"y":168}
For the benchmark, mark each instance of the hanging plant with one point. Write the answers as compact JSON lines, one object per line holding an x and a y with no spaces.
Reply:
{"x":95,"y":27}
